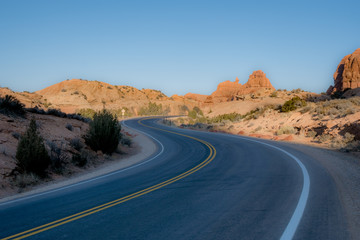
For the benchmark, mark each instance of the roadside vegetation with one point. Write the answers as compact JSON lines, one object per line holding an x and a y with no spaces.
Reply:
{"x":31,"y":154}
{"x":10,"y":105}
{"x":104,"y":132}
{"x":280,"y":121}
{"x":153,"y":109}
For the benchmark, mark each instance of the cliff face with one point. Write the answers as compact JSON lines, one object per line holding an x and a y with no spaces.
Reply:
{"x":347,"y":75}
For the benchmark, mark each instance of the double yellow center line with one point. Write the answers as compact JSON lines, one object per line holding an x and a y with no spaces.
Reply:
{"x":102,"y":207}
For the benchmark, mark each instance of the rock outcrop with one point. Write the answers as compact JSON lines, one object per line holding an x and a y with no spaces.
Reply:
{"x":228,"y":91}
{"x":347,"y":75}
{"x":196,"y":97}
{"x":258,"y":79}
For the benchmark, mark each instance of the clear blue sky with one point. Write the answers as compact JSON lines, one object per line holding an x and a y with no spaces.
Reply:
{"x":175,"y":46}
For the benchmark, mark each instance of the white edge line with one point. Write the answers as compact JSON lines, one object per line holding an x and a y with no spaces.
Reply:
{"x":96,"y":178}
{"x":293,"y":224}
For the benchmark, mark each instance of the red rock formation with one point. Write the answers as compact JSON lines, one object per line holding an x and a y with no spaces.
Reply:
{"x":227,"y":91}
{"x":347,"y":74}
{"x":258,"y":79}
{"x":196,"y":97}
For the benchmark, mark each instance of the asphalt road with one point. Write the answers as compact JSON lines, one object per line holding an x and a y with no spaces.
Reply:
{"x":197,"y":185}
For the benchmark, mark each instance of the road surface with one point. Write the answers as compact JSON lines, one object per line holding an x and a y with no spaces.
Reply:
{"x":197,"y":185}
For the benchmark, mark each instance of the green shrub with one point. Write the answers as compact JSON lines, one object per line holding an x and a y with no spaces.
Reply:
{"x":195,"y":113}
{"x":183,"y":109}
{"x":11,"y":105}
{"x":31,"y":154}
{"x":228,"y":116}
{"x":293,"y":104}
{"x":86,"y":112}
{"x":104,"y":132}
{"x":152,"y":109}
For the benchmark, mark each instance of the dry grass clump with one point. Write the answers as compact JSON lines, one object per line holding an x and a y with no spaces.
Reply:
{"x":336,"y":108}
{"x":260,"y":111}
{"x":345,"y":143}
{"x":25,"y":180}
{"x":285,"y":130}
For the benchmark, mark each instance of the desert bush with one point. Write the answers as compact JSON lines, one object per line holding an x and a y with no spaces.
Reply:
{"x":233,"y":117}
{"x":56,"y":112}
{"x":298,"y":90}
{"x":285,"y":130}
{"x":31,"y":154}
{"x":57,"y":156}
{"x":293,"y":104}
{"x":86,"y":112}
{"x":76,"y":144}
{"x":10,"y":105}
{"x":348,"y":137}
{"x":69,"y":126}
{"x":152,"y":109}
{"x":125,"y":140}
{"x":306,"y":109}
{"x":36,"y":110}
{"x":274,"y":94}
{"x":183,"y":109}
{"x":24,"y":180}
{"x":311,"y":134}
{"x":63,"y":90}
{"x":335,"y":108}
{"x":355,"y":101}
{"x":259,"y":111}
{"x":79,"y":160}
{"x":104,"y":132}
{"x":195,"y":113}
{"x":324,"y":138}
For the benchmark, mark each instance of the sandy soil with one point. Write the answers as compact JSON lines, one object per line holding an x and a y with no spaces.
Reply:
{"x":142,"y":149}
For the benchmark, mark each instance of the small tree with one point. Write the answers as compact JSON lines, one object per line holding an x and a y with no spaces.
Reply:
{"x":31,"y":154}
{"x":104,"y":132}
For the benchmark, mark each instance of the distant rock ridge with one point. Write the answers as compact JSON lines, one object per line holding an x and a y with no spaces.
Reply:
{"x":228,"y":91}
{"x":347,"y":75}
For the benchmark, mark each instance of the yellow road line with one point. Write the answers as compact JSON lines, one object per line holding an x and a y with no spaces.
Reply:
{"x":113,"y":203}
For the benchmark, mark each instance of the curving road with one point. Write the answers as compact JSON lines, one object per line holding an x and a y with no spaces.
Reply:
{"x":197,"y":185}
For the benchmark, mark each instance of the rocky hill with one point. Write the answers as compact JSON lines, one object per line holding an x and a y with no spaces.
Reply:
{"x":73,"y":95}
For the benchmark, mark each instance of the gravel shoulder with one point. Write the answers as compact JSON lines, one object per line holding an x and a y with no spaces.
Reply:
{"x":144,"y":148}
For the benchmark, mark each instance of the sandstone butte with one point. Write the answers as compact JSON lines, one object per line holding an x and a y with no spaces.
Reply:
{"x":228,"y":90}
{"x":347,"y":75}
